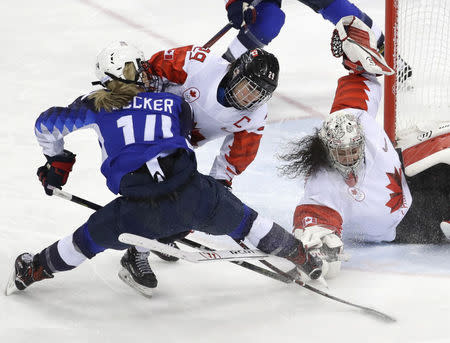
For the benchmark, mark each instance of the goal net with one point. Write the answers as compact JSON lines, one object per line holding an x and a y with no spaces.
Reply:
{"x":417,"y":98}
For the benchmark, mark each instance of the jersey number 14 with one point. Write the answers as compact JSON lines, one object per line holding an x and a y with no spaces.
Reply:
{"x":126,"y":123}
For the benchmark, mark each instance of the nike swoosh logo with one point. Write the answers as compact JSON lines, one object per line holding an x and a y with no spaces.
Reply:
{"x":385,"y":146}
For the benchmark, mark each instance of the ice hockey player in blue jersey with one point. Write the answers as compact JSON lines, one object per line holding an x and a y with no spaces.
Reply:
{"x":148,"y":160}
{"x":259,"y":22}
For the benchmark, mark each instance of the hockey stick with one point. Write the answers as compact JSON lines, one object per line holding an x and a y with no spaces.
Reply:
{"x":224,"y":30}
{"x":242,"y":264}
{"x":196,"y":256}
{"x":367,"y":310}
{"x":127,"y":238}
{"x":287,"y":278}
{"x":217,"y":36}
{"x":75,"y":199}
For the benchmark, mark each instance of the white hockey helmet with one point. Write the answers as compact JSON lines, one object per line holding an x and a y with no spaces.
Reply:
{"x":111,"y":61}
{"x":343,"y":135}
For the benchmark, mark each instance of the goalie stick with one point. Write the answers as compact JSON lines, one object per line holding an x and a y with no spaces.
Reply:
{"x":286,"y":276}
{"x":366,"y":310}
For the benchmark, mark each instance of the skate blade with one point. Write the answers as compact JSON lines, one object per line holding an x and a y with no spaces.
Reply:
{"x":165,"y":257}
{"x":126,"y":277}
{"x":445,"y":227}
{"x":11,"y":284}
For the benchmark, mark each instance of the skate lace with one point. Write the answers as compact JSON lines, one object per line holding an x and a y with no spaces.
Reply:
{"x":141,"y":259}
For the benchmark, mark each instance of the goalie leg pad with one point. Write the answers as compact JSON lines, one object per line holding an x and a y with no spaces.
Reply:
{"x":430,"y":193}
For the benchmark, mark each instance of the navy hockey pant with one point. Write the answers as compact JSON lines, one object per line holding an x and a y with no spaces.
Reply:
{"x":203,"y":204}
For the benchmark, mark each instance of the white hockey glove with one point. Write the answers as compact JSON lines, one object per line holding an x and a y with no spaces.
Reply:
{"x":356,"y":42}
{"x":328,"y":244}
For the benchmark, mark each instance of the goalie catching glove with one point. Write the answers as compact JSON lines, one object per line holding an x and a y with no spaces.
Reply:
{"x":56,"y":171}
{"x":356,"y":42}
{"x":323,"y":242}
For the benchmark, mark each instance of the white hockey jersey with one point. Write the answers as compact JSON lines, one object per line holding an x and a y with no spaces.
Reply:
{"x":195,"y":74}
{"x":371,"y":209}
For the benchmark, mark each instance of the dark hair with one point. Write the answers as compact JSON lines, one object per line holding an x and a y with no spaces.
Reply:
{"x":307,"y":156}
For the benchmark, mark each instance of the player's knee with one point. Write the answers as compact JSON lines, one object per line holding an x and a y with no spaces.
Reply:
{"x":241,"y":231}
{"x":83,"y":240}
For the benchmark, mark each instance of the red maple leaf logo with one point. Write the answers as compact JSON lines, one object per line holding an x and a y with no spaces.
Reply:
{"x":193,"y":93}
{"x":396,"y":201}
{"x":196,"y":136}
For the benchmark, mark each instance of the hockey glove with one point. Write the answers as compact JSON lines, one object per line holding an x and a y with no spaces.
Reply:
{"x":56,"y":171}
{"x":328,"y":244}
{"x":307,"y":260}
{"x":355,"y":41}
{"x":240,"y":13}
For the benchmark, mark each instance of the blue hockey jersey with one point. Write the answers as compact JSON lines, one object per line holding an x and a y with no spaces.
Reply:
{"x":153,"y":123}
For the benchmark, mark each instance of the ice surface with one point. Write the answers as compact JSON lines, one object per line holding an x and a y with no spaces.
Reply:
{"x":47,"y":56}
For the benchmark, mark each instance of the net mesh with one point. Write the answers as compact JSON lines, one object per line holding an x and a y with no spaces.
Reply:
{"x":423,"y":65}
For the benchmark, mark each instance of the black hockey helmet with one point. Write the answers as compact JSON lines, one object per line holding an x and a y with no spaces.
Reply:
{"x":251,"y":79}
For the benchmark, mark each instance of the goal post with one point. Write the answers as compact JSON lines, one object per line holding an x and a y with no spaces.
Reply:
{"x":417,"y":96}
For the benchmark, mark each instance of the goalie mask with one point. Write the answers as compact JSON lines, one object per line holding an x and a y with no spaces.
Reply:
{"x":343,"y":136}
{"x":111,"y":62}
{"x":251,"y":79}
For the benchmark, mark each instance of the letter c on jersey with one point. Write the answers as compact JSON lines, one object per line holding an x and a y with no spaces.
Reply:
{"x":240,"y":120}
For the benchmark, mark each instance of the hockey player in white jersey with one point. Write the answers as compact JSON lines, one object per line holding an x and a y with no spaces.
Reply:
{"x":355,"y":186}
{"x":228,"y":100}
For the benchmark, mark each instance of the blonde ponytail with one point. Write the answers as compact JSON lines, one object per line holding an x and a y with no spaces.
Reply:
{"x":117,"y":94}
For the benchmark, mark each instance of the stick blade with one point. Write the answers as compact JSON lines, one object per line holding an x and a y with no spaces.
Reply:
{"x":380,"y":315}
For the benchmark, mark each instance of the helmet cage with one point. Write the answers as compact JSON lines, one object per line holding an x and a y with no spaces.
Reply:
{"x":152,"y":82}
{"x":245,"y":94}
{"x":252,"y":77}
{"x":343,"y":136}
{"x":347,"y":159}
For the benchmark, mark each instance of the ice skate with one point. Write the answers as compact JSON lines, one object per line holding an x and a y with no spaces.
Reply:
{"x":26,"y":271}
{"x":445,"y":227}
{"x":136,"y":271}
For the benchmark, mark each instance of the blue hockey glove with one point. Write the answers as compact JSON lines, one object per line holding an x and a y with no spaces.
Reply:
{"x":56,"y":171}
{"x":240,"y":13}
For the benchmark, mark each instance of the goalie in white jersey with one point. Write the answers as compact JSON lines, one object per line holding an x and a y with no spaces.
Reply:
{"x":355,"y":186}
